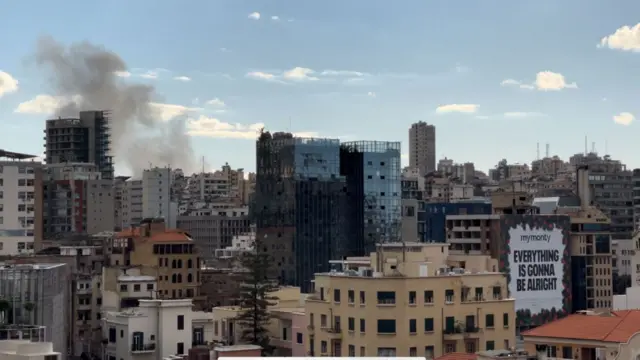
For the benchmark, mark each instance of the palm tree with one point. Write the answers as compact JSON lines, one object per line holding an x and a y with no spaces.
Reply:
{"x":5,"y":305}
{"x":29,"y":307}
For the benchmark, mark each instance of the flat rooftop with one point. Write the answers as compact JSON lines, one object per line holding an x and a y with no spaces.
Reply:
{"x":20,"y":267}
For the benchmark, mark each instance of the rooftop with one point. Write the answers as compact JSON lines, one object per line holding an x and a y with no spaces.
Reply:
{"x":167,"y":235}
{"x":15,"y":155}
{"x":616,"y":328}
{"x":458,"y":356}
{"x":24,"y":267}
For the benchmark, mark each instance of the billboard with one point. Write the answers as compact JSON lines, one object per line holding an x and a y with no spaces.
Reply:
{"x":536,"y":260}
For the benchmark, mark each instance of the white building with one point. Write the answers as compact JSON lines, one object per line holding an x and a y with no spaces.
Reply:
{"x":130,"y":204}
{"x":156,"y":329}
{"x":17,"y":206}
{"x":623,"y":251}
{"x":27,"y":350}
{"x":130,"y":287}
{"x":156,"y":195}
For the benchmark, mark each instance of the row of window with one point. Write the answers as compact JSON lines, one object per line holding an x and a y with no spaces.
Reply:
{"x":21,"y":182}
{"x":175,"y":263}
{"x":173,"y":249}
{"x":389,"y":297}
{"x":21,"y":170}
{"x":136,"y":287}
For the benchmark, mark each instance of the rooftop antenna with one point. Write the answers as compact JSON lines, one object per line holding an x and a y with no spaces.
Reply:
{"x":537,"y":151}
{"x":203,"y":164}
{"x":585,"y":145}
{"x":547,"y":150}
{"x":593,"y":147}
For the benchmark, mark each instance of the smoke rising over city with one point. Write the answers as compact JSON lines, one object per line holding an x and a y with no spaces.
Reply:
{"x":84,"y":75}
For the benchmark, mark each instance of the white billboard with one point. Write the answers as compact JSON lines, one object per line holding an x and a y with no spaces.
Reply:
{"x":536,"y":267}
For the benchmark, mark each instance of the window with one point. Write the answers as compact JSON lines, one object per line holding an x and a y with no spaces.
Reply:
{"x":352,"y":351}
{"x":352,"y":324}
{"x":136,"y":287}
{"x":386,"y":297}
{"x":386,"y":352}
{"x":362,"y":325}
{"x":180,"y":323}
{"x":428,"y":352}
{"x":566,"y":352}
{"x":505,"y":320}
{"x":323,"y":347}
{"x":428,"y":296}
{"x":448,"y":296}
{"x":413,"y":351}
{"x":180,"y":349}
{"x":351,"y":295}
{"x":150,"y":287}
{"x":336,"y":295}
{"x":112,"y":334}
{"x":123,"y":287}
{"x":428,"y":324}
{"x":323,"y":321}
{"x":363,"y":351}
{"x":51,"y":357}
{"x":413,"y":326}
{"x":362,"y":298}
{"x":386,"y":326}
{"x":490,"y":345}
{"x":299,"y":338}
{"x":489,"y":321}
{"x":412,"y":297}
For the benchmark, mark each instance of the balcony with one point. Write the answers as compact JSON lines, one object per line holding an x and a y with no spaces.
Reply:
{"x":455,"y":333}
{"x":143,"y":348}
{"x":471,"y":332}
{"x":334,"y":333}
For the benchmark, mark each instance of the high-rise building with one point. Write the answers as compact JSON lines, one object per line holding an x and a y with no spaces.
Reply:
{"x":20,"y":203}
{"x":422,"y":147}
{"x":373,"y":176}
{"x":299,"y":205}
{"x":84,"y":139}
{"x":156,"y":195}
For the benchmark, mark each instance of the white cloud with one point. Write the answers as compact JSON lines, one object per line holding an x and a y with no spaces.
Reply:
{"x":8,"y":83}
{"x":522,"y":114}
{"x":182,"y":78}
{"x":545,"y":81}
{"x":461,"y":108}
{"x":299,"y":74}
{"x":259,"y":75}
{"x":150,"y":75}
{"x":343,"y":73}
{"x":215,"y":128}
{"x":124,"y":74}
{"x":167,"y":112}
{"x":275,"y":18}
{"x":254,"y":16}
{"x":371,"y":94}
{"x":625,"y":38}
{"x":624,"y":118}
{"x":41,"y":104}
{"x":216,"y":102}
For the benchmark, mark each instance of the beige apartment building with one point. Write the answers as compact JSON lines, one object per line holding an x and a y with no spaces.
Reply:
{"x":404,"y":300}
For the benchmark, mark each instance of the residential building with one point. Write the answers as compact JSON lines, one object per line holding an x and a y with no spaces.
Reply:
{"x":611,"y":335}
{"x":622,"y":254}
{"x":422,"y":147}
{"x":300,"y":205}
{"x":403,"y":300}
{"x":374,"y":197}
{"x":156,"y":329}
{"x":20,"y":203}
{"x":85,"y":139}
{"x":31,"y":348}
{"x":411,"y":184}
{"x":286,"y":329}
{"x":224,"y":183}
{"x":46,"y":288}
{"x":123,"y":287}
{"x":474,"y":234}
{"x":168,"y":254}
{"x":215,"y":229}
{"x":156,"y":195}
{"x":76,"y":200}
{"x":432,"y":217}
{"x":635,"y":178}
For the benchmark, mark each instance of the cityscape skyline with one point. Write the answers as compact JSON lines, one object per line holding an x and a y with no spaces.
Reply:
{"x":248,"y":78}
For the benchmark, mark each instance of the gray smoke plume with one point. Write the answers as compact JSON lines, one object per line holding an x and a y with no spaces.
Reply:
{"x":86,"y":75}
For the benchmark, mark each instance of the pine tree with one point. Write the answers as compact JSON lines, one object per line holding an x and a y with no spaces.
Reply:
{"x":256,"y":295}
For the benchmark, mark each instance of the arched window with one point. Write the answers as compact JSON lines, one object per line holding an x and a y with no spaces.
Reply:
{"x":173,"y":263}
{"x":189,"y":263}
{"x":174,"y":278}
{"x":179,"y":278}
{"x":189,"y":278}
{"x":179,"y":264}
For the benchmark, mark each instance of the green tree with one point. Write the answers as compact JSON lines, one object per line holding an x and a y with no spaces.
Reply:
{"x":255,"y":297}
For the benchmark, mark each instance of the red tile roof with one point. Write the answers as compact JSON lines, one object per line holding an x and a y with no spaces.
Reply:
{"x":617,"y":328}
{"x":458,"y":356}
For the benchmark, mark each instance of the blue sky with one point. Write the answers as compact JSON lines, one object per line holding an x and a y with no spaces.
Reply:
{"x":521,"y":72}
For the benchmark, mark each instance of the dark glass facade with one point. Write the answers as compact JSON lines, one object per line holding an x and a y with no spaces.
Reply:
{"x":374,"y":192}
{"x":299,"y":205}
{"x":432,"y":217}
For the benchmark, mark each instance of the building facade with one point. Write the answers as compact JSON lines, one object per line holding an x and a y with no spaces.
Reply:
{"x":373,"y":177}
{"x":422,"y":147}
{"x":396,"y":304}
{"x":432,"y":217}
{"x":299,"y":205}
{"x":20,"y":204}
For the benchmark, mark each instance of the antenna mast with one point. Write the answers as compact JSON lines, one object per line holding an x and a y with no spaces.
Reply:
{"x":537,"y":151}
{"x":547,"y":150}
{"x":585,"y":145}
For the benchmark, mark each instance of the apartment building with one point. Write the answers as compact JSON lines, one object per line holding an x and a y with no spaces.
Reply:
{"x":169,"y":253}
{"x":224,"y":183}
{"x":477,"y":234}
{"x":403,"y":300}
{"x":156,"y":329}
{"x":422,"y":147}
{"x":156,"y":195}
{"x":214,"y":229}
{"x":20,"y":203}
{"x":76,"y":200}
